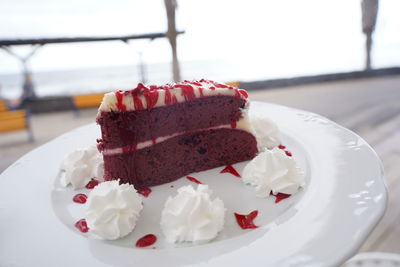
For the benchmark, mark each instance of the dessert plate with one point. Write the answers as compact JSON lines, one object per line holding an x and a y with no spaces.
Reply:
{"x":322,"y":225}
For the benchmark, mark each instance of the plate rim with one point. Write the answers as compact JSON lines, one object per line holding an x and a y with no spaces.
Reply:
{"x":357,"y":242}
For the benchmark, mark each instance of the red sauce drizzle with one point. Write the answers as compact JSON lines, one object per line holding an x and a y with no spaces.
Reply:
{"x":153,"y":141}
{"x":137,"y":102}
{"x":194,"y":180}
{"x":120,"y":97}
{"x":151,"y":98}
{"x":244,"y":93}
{"x":231,"y":170}
{"x":212,"y":88}
{"x":146,"y":241}
{"x":237,"y":94}
{"x":280,"y":196}
{"x":80,"y":198}
{"x":246,"y":221}
{"x":81,"y":225}
{"x":144,"y":191}
{"x":201,"y":91}
{"x":187,"y":91}
{"x":288,"y":153}
{"x":220,"y":85}
{"x":281,"y":147}
{"x":233,"y":125}
{"x":174,"y":100}
{"x":92,"y":184}
{"x":168,"y":98}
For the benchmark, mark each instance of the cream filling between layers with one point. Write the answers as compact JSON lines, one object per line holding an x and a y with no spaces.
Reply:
{"x":242,"y":124}
{"x":109,"y":102}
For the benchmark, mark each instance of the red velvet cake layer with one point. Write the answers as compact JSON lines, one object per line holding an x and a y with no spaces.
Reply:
{"x":129,"y":128}
{"x":179,"y":156}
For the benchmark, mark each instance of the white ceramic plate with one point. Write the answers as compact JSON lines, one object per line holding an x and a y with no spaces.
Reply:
{"x":322,"y":225}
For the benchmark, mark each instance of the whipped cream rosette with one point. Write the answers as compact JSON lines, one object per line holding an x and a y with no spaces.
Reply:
{"x":112,"y":210}
{"x":273,"y":171}
{"x":192,"y":216}
{"x":80,"y":166}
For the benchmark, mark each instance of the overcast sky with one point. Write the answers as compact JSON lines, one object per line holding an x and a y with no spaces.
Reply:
{"x":282,"y":37}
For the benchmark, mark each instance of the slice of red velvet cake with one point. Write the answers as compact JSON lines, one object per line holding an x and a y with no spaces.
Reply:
{"x":156,"y":134}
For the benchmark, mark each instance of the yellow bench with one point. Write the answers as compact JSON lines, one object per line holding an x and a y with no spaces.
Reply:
{"x":87,"y":101}
{"x":14,"y":120}
{"x":3,"y":106}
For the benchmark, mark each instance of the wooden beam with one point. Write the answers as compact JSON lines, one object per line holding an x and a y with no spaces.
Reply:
{"x":58,"y":40}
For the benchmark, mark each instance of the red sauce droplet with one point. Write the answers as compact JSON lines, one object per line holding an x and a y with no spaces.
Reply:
{"x":153,"y":141}
{"x":146,"y":241}
{"x":280,"y":196}
{"x":81,"y":225}
{"x":144,"y":191}
{"x":92,"y":184}
{"x":288,"y":153}
{"x":120,"y":97}
{"x":194,"y":180}
{"x":80,"y":198}
{"x":130,"y":148}
{"x":281,"y":147}
{"x":212,"y":88}
{"x":231,"y":170}
{"x":171,"y":186}
{"x":246,"y":221}
{"x":233,"y":125}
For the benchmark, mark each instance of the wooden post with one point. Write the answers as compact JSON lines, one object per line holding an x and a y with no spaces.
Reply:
{"x":369,"y":14}
{"x":170,"y":6}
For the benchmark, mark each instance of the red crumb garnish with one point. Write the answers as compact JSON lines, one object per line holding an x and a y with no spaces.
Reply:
{"x":194,"y":180}
{"x":92,"y":184}
{"x":231,"y":170}
{"x":288,"y":153}
{"x":246,"y":221}
{"x":82,"y":226}
{"x":146,"y":241}
{"x":144,"y":191}
{"x":281,"y":147}
{"x":280,"y":196}
{"x":80,"y":198}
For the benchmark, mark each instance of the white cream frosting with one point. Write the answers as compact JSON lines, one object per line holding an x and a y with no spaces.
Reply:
{"x":266,"y":132}
{"x":112,"y":210}
{"x":192,"y":216}
{"x":79,"y":167}
{"x":272,"y":170}
{"x":109,"y":102}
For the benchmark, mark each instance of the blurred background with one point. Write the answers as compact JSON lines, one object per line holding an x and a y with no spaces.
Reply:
{"x":337,"y":58}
